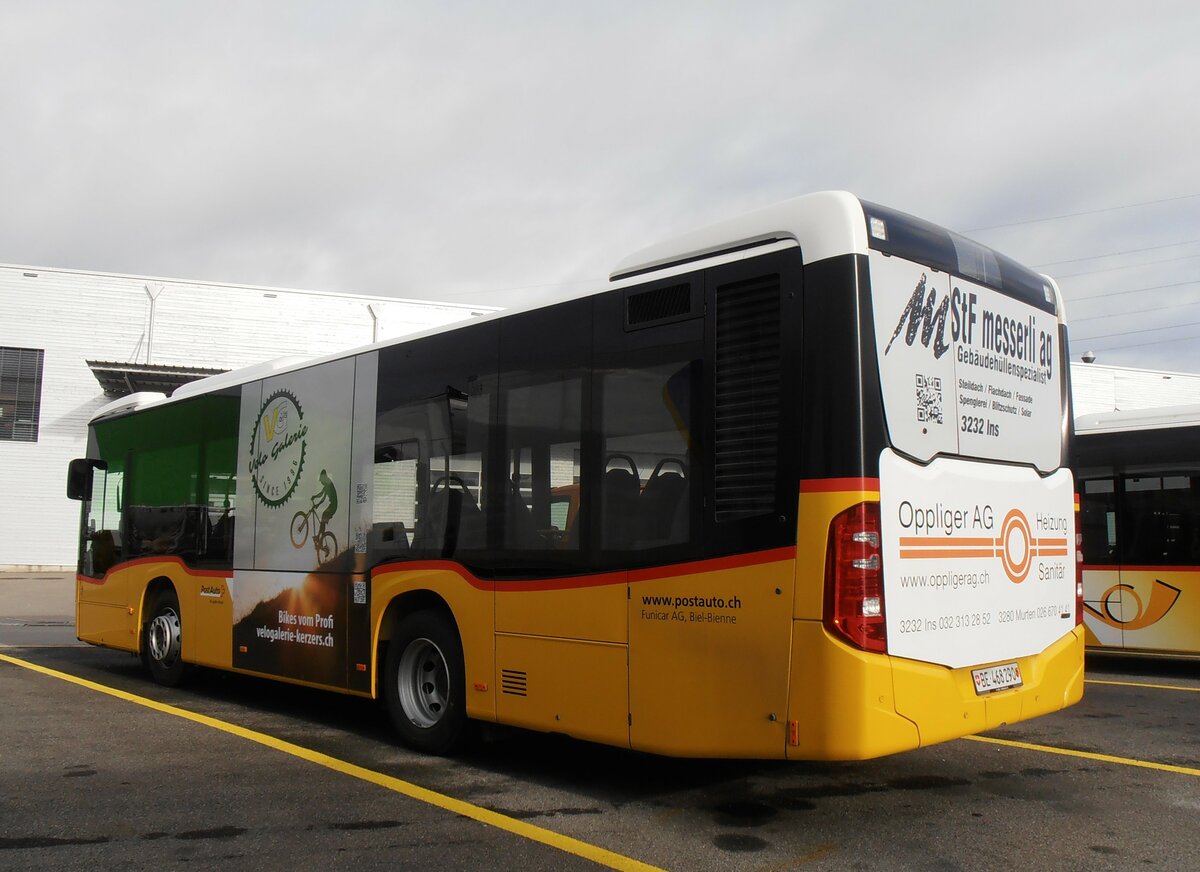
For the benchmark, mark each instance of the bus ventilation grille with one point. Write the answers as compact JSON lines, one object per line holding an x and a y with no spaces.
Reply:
{"x":747,"y":358}
{"x":659,"y":306}
{"x":514,"y":682}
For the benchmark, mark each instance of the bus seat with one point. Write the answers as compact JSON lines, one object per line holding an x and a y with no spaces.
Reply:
{"x":660,"y":505}
{"x":430,"y":533}
{"x":104,"y":552}
{"x":388,"y":538}
{"x":451,"y":520}
{"x":619,"y":516}
{"x":519,"y":529}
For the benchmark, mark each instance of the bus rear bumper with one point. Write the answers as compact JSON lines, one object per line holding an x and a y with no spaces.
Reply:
{"x":847,"y":704}
{"x":945,"y":705}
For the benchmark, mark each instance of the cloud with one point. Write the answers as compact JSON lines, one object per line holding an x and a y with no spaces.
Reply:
{"x":504,"y":153}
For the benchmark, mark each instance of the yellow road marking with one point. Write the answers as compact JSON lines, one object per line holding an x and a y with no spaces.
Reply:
{"x":494,"y":819}
{"x":1087,"y":755}
{"x":1137,"y":684}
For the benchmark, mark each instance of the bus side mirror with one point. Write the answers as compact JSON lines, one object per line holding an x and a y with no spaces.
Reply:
{"x":79,"y":478}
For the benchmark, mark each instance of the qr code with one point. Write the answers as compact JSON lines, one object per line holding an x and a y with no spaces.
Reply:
{"x":929,"y":399}
{"x":360,"y":593}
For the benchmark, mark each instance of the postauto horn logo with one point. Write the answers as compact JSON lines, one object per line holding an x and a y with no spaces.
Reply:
{"x":277,"y":448}
{"x":1162,"y":600}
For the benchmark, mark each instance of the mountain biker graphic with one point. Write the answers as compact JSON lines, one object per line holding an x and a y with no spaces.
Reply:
{"x":327,"y":495}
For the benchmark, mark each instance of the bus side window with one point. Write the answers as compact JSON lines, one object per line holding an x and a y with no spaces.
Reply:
{"x":101,"y":532}
{"x":649,"y":447}
{"x":543,"y":423}
{"x":1098,"y":519}
{"x":1161,"y":520}
{"x":394,"y":486}
{"x":220,"y":481}
{"x":434,"y":405}
{"x":428,"y":477}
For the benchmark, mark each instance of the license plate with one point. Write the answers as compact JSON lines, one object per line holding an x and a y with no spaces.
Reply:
{"x":993,"y":678}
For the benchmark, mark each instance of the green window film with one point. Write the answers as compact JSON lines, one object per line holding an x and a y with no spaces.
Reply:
{"x":179,"y":465}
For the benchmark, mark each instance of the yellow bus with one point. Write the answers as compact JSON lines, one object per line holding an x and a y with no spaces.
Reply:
{"x":791,"y":486}
{"x":1139,"y":487}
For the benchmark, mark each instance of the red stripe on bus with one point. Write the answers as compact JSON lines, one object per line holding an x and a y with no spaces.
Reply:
{"x":143,"y":561}
{"x":574,"y":582}
{"x":832,"y":485}
{"x":717,"y":564}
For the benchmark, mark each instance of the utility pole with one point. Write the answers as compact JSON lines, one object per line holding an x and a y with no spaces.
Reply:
{"x":152,"y":291}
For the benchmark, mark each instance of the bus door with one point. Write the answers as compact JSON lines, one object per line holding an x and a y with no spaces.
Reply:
{"x":560,"y":620}
{"x":1142,"y":561}
{"x":698,"y":411}
{"x":102,"y":601}
{"x":1160,"y":561}
{"x":1104,"y":614}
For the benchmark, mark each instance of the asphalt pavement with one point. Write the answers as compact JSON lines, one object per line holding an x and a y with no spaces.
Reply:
{"x":244,"y":773}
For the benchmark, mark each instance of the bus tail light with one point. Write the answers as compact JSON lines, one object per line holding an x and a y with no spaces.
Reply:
{"x":854,"y":578}
{"x":1078,"y":566}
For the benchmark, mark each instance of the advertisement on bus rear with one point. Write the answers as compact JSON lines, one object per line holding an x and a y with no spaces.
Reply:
{"x":978,"y":559}
{"x":965,"y":369}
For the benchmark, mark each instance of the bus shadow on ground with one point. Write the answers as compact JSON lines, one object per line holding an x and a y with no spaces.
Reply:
{"x":358,"y":730}
{"x":1110,"y":664}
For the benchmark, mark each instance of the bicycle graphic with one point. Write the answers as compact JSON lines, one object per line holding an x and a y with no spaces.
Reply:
{"x":324,"y":542}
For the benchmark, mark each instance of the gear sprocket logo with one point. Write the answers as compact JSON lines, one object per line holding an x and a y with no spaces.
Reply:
{"x":277,"y":448}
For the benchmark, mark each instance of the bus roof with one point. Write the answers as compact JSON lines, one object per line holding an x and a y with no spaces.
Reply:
{"x":834,"y":223}
{"x":826,"y":224}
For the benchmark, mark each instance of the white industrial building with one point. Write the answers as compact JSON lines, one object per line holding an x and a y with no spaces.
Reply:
{"x":1099,"y":388}
{"x":70,"y":341}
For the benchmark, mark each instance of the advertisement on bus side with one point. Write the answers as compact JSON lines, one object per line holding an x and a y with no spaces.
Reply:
{"x":306,"y":483}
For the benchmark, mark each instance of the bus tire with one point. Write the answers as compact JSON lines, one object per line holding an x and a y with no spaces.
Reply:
{"x":424,"y":688}
{"x":162,"y":646}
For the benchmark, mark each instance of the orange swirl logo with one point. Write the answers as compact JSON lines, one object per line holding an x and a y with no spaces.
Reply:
{"x":1162,"y":599}
{"x":1016,"y":546}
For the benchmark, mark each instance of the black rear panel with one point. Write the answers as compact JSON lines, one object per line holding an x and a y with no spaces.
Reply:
{"x":843,"y":430}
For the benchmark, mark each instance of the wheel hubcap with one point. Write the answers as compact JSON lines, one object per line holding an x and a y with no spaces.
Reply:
{"x":164,"y":637}
{"x":424,"y":683}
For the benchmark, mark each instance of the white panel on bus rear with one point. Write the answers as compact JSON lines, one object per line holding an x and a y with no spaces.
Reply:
{"x":965,"y":370}
{"x":978,"y":559}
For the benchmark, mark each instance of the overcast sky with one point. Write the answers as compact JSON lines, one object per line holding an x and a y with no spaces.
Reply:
{"x":495,"y":153}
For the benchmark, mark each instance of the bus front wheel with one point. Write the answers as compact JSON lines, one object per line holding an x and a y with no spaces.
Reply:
{"x":423,"y":683}
{"x":162,"y":644}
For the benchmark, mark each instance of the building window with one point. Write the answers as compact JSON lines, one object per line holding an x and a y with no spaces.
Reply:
{"x":20,"y":393}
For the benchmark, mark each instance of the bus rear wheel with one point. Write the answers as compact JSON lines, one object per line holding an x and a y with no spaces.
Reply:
{"x":162,"y":640}
{"x":424,"y":688}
